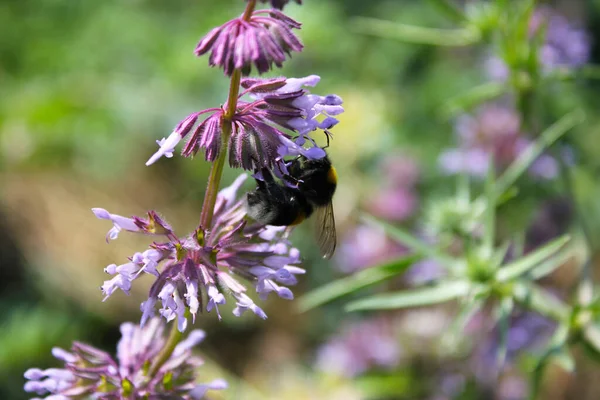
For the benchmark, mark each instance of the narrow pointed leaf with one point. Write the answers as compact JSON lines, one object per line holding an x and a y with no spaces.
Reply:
{"x":557,"y":352}
{"x":539,"y":300}
{"x":414,"y":297}
{"x":471,"y":98}
{"x":545,"y":140}
{"x":504,"y":310}
{"x":409,"y":240}
{"x":355,"y":282}
{"x":592,"y":337}
{"x":550,"y":265}
{"x":416,"y":34}
{"x":457,"y":329}
{"x":490,"y":209}
{"x":530,"y":261}
{"x":564,"y":360}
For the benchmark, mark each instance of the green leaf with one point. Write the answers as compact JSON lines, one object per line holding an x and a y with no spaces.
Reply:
{"x":532,"y":260}
{"x":490,"y":209}
{"x":550,"y":265}
{"x":472,"y":97}
{"x":556,"y":352}
{"x":456,"y":332}
{"x":355,"y":282}
{"x":416,"y":34}
{"x":566,"y":74}
{"x":565,"y":360}
{"x":408,"y":239}
{"x":385,"y":385}
{"x":591,"y":334}
{"x":545,"y":140}
{"x":504,"y":310}
{"x":423,"y":296}
{"x":539,"y":300}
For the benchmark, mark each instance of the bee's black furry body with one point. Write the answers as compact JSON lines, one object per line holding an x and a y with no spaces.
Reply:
{"x":312,"y":184}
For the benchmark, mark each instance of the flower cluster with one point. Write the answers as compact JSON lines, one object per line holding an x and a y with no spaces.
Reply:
{"x":257,"y":139}
{"x":565,"y":46}
{"x":92,"y":372}
{"x":495,"y":130}
{"x":263,"y":39}
{"x":203,"y":265}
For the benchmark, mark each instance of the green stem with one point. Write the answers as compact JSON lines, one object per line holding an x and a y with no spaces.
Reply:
{"x":416,"y":34}
{"x":249,"y":10}
{"x":216,"y":170}
{"x":165,"y":353}
{"x":210,"y":196}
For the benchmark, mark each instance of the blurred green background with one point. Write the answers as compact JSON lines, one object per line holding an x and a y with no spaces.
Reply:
{"x":87,"y":87}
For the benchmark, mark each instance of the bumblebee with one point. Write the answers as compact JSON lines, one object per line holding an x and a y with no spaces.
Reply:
{"x":313,"y":183}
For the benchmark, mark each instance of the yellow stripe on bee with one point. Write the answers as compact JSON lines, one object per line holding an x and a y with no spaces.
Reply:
{"x":332,"y":176}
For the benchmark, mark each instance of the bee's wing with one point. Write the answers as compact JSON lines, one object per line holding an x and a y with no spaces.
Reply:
{"x":326,"y":230}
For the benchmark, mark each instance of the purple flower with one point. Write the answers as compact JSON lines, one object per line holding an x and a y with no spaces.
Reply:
{"x":528,"y":332}
{"x":396,"y":200}
{"x":550,"y":221}
{"x":493,"y":130}
{"x":257,"y":138}
{"x":263,"y":40}
{"x":279,"y":4}
{"x":359,"y":347}
{"x":564,"y":46}
{"x":366,"y":246}
{"x":92,"y":373}
{"x":205,"y":264}
{"x":424,"y":272}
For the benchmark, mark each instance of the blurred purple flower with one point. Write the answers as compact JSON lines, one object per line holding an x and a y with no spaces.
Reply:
{"x":203,"y":264}
{"x":256,"y":140}
{"x":279,"y":4}
{"x":424,"y":272}
{"x":528,"y":332}
{"x":366,"y":246}
{"x":550,"y":221}
{"x":396,"y":200}
{"x":92,"y":373}
{"x":564,"y":46}
{"x":359,"y":347}
{"x":263,"y":40}
{"x":494,"y":130}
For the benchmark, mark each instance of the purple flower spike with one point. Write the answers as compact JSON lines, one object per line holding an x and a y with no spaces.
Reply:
{"x":258,"y":139}
{"x":92,"y":373}
{"x":263,"y":40}
{"x":279,"y":4}
{"x":206,"y":264}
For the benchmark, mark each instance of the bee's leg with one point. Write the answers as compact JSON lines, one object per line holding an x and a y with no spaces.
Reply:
{"x":328,"y":135}
{"x":293,"y":181}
